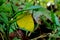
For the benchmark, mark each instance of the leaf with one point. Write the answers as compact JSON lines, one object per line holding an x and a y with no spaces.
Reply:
{"x":33,"y":7}
{"x":29,"y":8}
{"x":40,"y":12}
{"x":27,"y":5}
{"x":55,"y":19}
{"x":6,"y":7}
{"x":2,"y":1}
{"x":15,"y":7}
{"x":13,"y":27}
{"x":4,"y":17}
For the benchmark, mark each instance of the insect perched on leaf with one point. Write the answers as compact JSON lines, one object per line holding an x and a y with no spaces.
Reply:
{"x":26,"y":22}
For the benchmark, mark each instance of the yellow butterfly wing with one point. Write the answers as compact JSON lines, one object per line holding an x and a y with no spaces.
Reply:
{"x":26,"y":23}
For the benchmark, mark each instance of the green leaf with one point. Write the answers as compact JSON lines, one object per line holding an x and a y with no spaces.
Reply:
{"x":27,"y":5}
{"x":55,"y":19}
{"x":40,"y":12}
{"x":29,"y":8}
{"x":13,"y":27}
{"x":2,"y":1}
{"x":4,"y":17}
{"x":6,"y":7}
{"x":33,"y":7}
{"x":15,"y":7}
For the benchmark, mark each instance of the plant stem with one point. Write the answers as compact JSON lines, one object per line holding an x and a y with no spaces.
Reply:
{"x":7,"y":32}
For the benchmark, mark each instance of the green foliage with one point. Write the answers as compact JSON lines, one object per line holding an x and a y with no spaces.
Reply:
{"x":4,"y":17}
{"x":9,"y":10}
{"x":2,"y":1}
{"x":6,"y":7}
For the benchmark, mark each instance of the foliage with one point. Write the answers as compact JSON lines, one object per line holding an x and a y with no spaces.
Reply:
{"x":12,"y":13}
